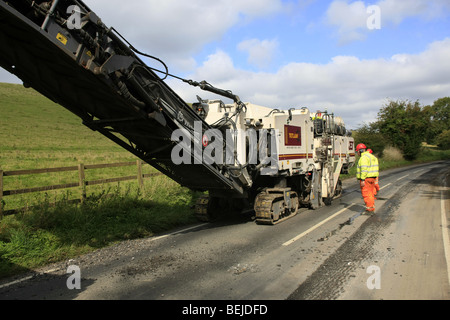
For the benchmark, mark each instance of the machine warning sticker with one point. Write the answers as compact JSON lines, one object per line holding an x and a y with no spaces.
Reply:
{"x":205,"y":141}
{"x":61,"y":38}
{"x":292,"y":136}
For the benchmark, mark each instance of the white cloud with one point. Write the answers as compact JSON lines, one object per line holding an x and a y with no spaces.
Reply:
{"x":352,"y":88}
{"x":7,"y":77}
{"x":350,"y":18}
{"x":175,"y":29}
{"x":218,"y":67}
{"x":260,"y":52}
{"x":395,"y":11}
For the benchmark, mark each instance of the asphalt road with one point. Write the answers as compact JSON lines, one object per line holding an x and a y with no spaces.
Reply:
{"x":402,"y":252}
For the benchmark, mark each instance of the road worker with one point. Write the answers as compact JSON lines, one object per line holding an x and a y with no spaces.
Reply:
{"x":318,"y":116}
{"x":367,"y":173}
{"x":377,"y":185}
{"x":319,"y":124}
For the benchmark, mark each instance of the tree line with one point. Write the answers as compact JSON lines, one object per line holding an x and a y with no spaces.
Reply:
{"x":406,"y":124}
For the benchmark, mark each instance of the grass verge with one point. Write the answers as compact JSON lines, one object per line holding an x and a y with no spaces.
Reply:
{"x":49,"y":233}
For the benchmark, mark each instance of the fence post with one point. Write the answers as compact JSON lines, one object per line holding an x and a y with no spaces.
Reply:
{"x":82,"y":181}
{"x":1,"y":194}
{"x":139,"y":174}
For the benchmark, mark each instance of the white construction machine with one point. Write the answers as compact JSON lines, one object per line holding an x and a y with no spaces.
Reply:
{"x":304,"y":155}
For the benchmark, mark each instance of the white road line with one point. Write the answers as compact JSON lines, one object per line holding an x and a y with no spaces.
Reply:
{"x":445,"y":235}
{"x":385,"y":186}
{"x":316,"y":226}
{"x":28,"y":278}
{"x":177,"y":232}
{"x":402,"y":177}
{"x":15,"y":282}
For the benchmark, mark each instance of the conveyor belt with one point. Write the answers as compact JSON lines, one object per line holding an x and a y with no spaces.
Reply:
{"x":121,"y":98}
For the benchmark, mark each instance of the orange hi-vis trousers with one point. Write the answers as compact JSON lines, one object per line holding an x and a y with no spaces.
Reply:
{"x":368,"y":192}
{"x":377,"y":186}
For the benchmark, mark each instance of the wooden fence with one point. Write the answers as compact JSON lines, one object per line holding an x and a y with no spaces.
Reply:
{"x":82,"y":183}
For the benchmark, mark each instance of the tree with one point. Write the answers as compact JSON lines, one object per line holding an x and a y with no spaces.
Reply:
{"x":439,"y":116}
{"x":443,"y":140}
{"x":404,"y":124}
{"x":370,"y":135}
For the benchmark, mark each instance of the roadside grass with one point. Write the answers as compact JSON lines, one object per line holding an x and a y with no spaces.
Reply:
{"x":51,"y":233}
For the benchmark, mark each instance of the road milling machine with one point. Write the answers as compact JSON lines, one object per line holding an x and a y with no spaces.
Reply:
{"x":247,"y":157}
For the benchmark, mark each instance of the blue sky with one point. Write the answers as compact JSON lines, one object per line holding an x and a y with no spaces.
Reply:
{"x":280,"y":54}
{"x":304,"y":35}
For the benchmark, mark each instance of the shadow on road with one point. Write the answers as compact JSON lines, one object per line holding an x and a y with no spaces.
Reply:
{"x":43,"y":286}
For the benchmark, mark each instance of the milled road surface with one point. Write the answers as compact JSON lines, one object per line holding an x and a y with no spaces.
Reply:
{"x":400,"y":253}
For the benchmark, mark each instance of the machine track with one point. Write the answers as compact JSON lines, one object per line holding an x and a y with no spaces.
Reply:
{"x":201,"y":209}
{"x":273,"y":206}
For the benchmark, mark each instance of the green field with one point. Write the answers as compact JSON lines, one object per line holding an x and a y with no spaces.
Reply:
{"x":36,"y":133}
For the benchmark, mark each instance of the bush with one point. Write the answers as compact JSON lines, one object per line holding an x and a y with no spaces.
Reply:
{"x":392,"y":154}
{"x":443,"y":140}
{"x":404,"y":124}
{"x":371,"y":137}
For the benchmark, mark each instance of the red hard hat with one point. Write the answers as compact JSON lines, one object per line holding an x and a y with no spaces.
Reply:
{"x":369,"y":150}
{"x":360,"y":146}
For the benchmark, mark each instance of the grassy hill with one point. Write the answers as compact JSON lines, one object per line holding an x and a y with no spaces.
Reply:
{"x":37,"y":133}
